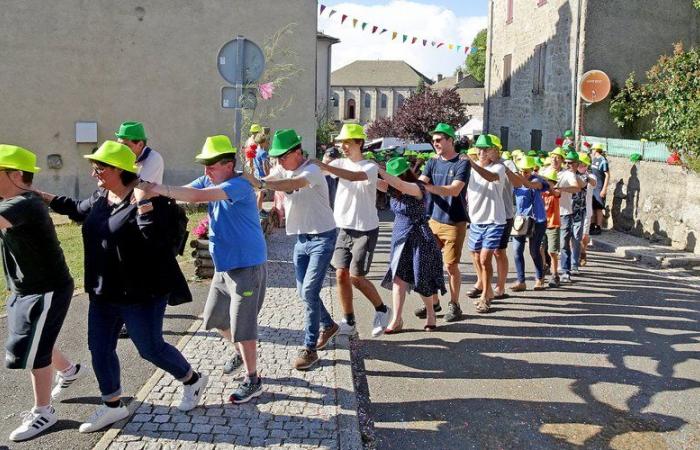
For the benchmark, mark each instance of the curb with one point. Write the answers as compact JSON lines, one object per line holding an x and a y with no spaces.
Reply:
{"x":139,"y":398}
{"x":648,"y":255}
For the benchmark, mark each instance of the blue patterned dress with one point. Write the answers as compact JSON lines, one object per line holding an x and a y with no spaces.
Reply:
{"x":415,"y":256}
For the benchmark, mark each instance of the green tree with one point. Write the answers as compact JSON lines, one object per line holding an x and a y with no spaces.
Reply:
{"x":476,"y":62}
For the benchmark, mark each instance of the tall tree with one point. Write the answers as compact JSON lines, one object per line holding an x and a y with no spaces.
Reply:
{"x":422,"y":111}
{"x":476,"y":62}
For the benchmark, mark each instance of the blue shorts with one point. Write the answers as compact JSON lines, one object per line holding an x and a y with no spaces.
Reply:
{"x":485,"y":236}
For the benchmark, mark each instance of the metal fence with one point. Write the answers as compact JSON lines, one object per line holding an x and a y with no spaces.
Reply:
{"x":650,"y":151}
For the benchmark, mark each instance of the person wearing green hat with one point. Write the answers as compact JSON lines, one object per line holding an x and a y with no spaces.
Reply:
{"x":552,"y":236}
{"x":310,"y":218}
{"x":130,"y":273}
{"x":358,"y":227}
{"x":239,"y":253}
{"x":445,"y":178}
{"x":415,"y":260}
{"x":572,"y":208}
{"x":601,"y":169}
{"x":568,"y":139}
{"x":149,"y":163}
{"x":40,"y":288}
{"x":584,"y":163}
{"x":488,"y":217}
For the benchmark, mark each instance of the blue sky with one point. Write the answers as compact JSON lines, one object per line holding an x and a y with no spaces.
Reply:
{"x":450,"y":21}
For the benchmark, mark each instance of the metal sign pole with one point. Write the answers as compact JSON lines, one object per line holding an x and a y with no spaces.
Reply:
{"x":238,"y":112}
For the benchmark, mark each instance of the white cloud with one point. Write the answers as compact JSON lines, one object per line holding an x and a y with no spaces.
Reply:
{"x":431,"y":22}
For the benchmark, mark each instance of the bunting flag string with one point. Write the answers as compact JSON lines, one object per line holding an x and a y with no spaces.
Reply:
{"x":395,"y":34}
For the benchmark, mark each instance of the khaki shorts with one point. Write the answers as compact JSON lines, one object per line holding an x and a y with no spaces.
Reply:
{"x":553,"y":245}
{"x":450,"y":239}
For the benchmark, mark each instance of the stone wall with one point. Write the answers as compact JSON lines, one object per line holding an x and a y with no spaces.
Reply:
{"x":655,"y":201}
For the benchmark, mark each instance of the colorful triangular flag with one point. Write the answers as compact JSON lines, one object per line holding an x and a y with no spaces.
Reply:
{"x":354,"y":23}
{"x":330,"y":14}
{"x":374,"y":29}
{"x":345,"y":16}
{"x":322,"y":8}
{"x":384,"y":30}
{"x":393,"y":35}
{"x":405,"y":37}
{"x":424,"y":42}
{"x":413,"y":41}
{"x":364,"y":24}
{"x":450,"y":46}
{"x":458,"y":47}
{"x":440,"y":44}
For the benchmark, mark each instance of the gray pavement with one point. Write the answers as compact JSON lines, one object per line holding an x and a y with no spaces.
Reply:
{"x":610,"y":361}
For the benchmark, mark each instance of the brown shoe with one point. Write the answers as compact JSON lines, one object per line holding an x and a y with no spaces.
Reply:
{"x":518,"y":287}
{"x":305,"y":359}
{"x":326,"y":335}
{"x":539,"y":285}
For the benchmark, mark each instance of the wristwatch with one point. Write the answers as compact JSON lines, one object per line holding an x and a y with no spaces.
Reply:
{"x":262,"y":184}
{"x":144,"y":202}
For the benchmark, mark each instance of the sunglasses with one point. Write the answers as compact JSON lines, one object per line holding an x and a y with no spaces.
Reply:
{"x":99,"y":169}
{"x":437,"y":139}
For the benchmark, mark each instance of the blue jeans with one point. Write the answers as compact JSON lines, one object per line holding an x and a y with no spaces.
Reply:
{"x":571,"y":235}
{"x":535,"y":243}
{"x":145,"y":325}
{"x":312,"y":256}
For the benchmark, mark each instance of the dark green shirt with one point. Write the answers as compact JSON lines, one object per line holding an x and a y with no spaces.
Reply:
{"x":32,"y":258}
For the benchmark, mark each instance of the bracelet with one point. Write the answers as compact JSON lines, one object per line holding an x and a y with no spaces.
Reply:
{"x":262,"y":184}
{"x":146,"y":201}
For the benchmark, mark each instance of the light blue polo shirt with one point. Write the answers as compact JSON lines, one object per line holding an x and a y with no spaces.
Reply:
{"x":236,"y":239}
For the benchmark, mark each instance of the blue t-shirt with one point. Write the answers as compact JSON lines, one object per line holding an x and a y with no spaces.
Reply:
{"x":529,"y":202}
{"x":259,"y":162}
{"x":236,"y":239}
{"x":449,"y":210}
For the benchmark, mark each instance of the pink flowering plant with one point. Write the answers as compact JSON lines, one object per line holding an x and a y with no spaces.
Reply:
{"x":201,"y":231}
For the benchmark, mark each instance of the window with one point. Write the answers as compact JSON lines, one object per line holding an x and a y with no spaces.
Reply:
{"x":368,"y":100}
{"x":539,"y":60}
{"x":506,"y":75}
{"x":335,"y":100}
{"x":536,"y":140}
{"x":509,"y":11}
{"x":384,"y":101}
{"x":350,"y":110}
{"x":504,"y":138}
{"x":400,"y":100}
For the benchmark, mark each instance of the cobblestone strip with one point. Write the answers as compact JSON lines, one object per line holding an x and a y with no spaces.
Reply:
{"x":313,"y":409}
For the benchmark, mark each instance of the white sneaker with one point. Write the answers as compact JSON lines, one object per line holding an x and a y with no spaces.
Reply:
{"x":381,"y":320}
{"x":193,"y":393}
{"x":347,"y":330}
{"x":104,"y":416}
{"x":33,"y":423}
{"x":63,"y":382}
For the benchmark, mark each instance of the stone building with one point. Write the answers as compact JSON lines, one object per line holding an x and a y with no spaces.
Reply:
{"x":364,"y":91}
{"x":104,"y":62}
{"x":324,"y":45}
{"x":470,"y":91}
{"x":538,"y":50}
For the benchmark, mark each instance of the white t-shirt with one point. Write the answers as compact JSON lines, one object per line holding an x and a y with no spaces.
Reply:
{"x":485,"y":199}
{"x":508,"y":195}
{"x":151,"y":168}
{"x":589,"y":196}
{"x":566,"y":179}
{"x":307,"y":210}
{"x":355,"y":201}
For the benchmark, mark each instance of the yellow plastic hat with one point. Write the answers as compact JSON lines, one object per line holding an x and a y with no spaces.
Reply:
{"x":473,"y":151}
{"x":526,"y":163}
{"x":255,"y":128}
{"x":558,"y":151}
{"x":496,"y":141}
{"x":583,"y":158}
{"x":116,"y":155}
{"x":18,"y":158}
{"x":351,"y":131}
{"x":598,"y":146}
{"x":547,"y":161}
{"x":214,"y":147}
{"x":550,"y":174}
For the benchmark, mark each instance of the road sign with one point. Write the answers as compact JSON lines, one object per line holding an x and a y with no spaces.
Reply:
{"x":241,"y":61}
{"x":229,"y":99}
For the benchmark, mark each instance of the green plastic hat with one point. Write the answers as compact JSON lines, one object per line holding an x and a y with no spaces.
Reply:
{"x":255,"y":128}
{"x":584,"y":158}
{"x":506,"y":155}
{"x":351,"y":131}
{"x":396,"y":166}
{"x":132,"y":131}
{"x":369,"y":155}
{"x":558,"y":151}
{"x":571,"y":156}
{"x":485,"y":141}
{"x":635,"y":157}
{"x":116,"y":155}
{"x":532,"y":153}
{"x":526,"y":163}
{"x":539,"y":162}
{"x":214,"y":147}
{"x":444,"y":129}
{"x":568,"y":133}
{"x":550,"y":174}
{"x":18,"y":158}
{"x":283,"y":141}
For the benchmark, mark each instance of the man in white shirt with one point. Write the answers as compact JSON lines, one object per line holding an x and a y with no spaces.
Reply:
{"x":149,"y":162}
{"x":355,"y":215}
{"x":310,"y":218}
{"x":488,"y":215}
{"x":571,"y":211}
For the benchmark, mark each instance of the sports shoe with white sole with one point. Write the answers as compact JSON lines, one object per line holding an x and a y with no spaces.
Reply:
{"x":193,"y":393}
{"x":104,"y":416}
{"x":63,"y":382}
{"x":246,"y":391}
{"x":33,"y":423}
{"x":381,"y":320}
{"x":345,"y":329}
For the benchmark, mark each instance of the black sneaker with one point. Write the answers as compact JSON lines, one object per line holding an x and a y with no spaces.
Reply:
{"x":246,"y":391}
{"x":454,"y":312}
{"x":421,"y":313}
{"x":233,"y":363}
{"x":554,"y":281}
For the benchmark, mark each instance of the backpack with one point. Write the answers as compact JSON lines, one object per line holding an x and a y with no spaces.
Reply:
{"x":177,"y":231}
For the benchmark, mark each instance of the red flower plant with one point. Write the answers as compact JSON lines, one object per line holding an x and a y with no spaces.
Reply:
{"x":202,"y":229}
{"x":251,"y":151}
{"x":559,"y":142}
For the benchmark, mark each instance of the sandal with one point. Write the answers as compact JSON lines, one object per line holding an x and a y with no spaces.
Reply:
{"x":474,"y":293}
{"x":394,"y":330}
{"x":429,"y":328}
{"x":483,"y":306}
{"x":500,"y":296}
{"x":539,"y":285}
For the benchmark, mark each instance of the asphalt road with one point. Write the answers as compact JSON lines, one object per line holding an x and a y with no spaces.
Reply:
{"x":608,"y":362}
{"x":16,"y":390}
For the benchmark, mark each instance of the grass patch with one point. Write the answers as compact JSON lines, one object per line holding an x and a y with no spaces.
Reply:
{"x":71,"y":239}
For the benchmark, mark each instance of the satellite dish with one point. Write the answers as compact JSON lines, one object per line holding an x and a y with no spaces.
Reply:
{"x":594,"y":86}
